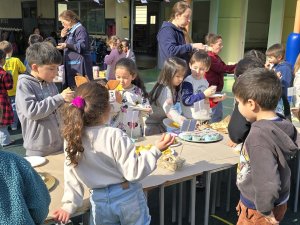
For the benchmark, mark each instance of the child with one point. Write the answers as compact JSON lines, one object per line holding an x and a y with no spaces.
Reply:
{"x":164,"y":95}
{"x":37,"y":100}
{"x":24,"y":196}
{"x":104,"y":160}
{"x":115,"y":54}
{"x":238,"y":127}
{"x":215,"y":75}
{"x":133,"y":95}
{"x":276,"y":61}
{"x":195,"y":86}
{"x":33,"y":38}
{"x":7,"y":111}
{"x":126,"y":49}
{"x":263,"y":173}
{"x":15,"y":67}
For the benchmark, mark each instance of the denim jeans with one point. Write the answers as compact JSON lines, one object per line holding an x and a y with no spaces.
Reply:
{"x":114,"y":205}
{"x":16,"y":118}
{"x":4,"y":135}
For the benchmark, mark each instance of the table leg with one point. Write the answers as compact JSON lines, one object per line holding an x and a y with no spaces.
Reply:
{"x":174,"y":200}
{"x":162,"y":205}
{"x":219,"y":182}
{"x":228,"y":190}
{"x":180,"y":202}
{"x":207,"y":196}
{"x":193,"y":200}
{"x":297,"y":183}
{"x":214,"y":181}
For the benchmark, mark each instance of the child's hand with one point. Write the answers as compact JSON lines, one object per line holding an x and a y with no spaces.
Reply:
{"x":209,"y":91}
{"x":165,"y":141}
{"x":68,"y":95}
{"x":61,"y":216}
{"x":220,"y":99}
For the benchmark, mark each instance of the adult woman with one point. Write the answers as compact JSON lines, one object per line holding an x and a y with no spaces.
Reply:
{"x":172,"y":37}
{"x":77,"y":57}
{"x":215,"y":75}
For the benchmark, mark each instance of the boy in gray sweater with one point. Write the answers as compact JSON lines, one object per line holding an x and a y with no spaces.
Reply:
{"x":37,"y":101}
{"x":263,"y":176}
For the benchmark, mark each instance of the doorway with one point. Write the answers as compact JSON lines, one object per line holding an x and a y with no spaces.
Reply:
{"x":200,"y":21}
{"x":29,"y":15}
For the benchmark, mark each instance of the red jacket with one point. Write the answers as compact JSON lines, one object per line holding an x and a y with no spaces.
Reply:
{"x":6,"y":83}
{"x":215,"y":75}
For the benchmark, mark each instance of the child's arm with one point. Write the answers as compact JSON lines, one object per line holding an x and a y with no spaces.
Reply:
{"x":165,"y":100}
{"x":29,"y":105}
{"x":36,"y":195}
{"x":135,"y":167}
{"x":21,"y":66}
{"x":218,"y":66}
{"x":8,"y":81}
{"x":188,"y":96}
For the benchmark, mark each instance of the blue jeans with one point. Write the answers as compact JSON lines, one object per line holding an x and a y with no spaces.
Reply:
{"x":217,"y":113}
{"x":114,"y":205}
{"x":4,"y":136}
{"x":14,"y":125}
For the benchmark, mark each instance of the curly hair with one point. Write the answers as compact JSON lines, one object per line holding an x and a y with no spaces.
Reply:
{"x":96,"y":99}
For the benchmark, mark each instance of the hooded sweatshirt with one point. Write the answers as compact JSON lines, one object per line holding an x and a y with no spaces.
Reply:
{"x":171,"y":42}
{"x":36,"y":103}
{"x":263,"y":176}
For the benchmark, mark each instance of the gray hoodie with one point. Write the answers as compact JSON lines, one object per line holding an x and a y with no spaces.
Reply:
{"x":36,"y":103}
{"x":263,"y":173}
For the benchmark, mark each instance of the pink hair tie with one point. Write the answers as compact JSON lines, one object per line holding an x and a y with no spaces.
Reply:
{"x":78,"y":102}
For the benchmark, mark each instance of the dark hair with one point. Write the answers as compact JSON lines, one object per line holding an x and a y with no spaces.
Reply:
{"x":6,"y":47}
{"x":70,"y":16}
{"x":126,"y":42}
{"x":130,"y":66}
{"x":276,"y":50}
{"x":211,"y":38}
{"x":51,"y":40}
{"x":2,"y":54}
{"x":178,"y":9}
{"x":34,"y":38}
{"x":96,"y":100}
{"x":201,"y":56}
{"x":247,"y":63}
{"x":256,"y":54}
{"x":43,"y":53}
{"x":261,"y":85}
{"x":171,"y":67}
{"x":33,"y":30}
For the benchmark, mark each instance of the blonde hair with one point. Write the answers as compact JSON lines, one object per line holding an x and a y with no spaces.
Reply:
{"x":115,"y":41}
{"x":6,"y":47}
{"x":178,"y":9}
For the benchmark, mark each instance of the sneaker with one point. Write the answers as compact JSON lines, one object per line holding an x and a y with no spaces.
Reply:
{"x":11,"y":143}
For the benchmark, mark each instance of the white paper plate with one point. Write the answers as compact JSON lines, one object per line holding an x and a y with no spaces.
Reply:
{"x":176,"y":144}
{"x":216,"y":96}
{"x":35,"y":160}
{"x":140,"y":108}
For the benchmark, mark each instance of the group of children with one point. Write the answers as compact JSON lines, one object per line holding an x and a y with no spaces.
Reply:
{"x":92,"y":146}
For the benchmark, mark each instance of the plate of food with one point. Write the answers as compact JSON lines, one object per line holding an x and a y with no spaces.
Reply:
{"x":204,"y":136}
{"x":216,"y":96}
{"x":48,"y":179}
{"x":36,"y":160}
{"x":170,"y":124}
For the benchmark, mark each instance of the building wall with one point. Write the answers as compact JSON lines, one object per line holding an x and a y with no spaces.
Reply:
{"x":122,"y":10}
{"x":11,"y":9}
{"x":46,"y":9}
{"x":289,"y":19}
{"x":110,"y":9}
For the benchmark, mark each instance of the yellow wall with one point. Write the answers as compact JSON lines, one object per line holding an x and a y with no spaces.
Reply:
{"x":46,"y":9}
{"x":229,"y":24}
{"x":289,"y":19}
{"x":110,"y":9}
{"x":11,"y":9}
{"x":122,"y":10}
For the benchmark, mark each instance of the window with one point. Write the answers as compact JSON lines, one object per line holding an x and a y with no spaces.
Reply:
{"x":152,"y":19}
{"x":141,"y":15}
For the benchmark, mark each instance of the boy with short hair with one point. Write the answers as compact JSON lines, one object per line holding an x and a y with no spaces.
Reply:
{"x":263,"y":176}
{"x":37,"y":101}
{"x":275,"y":60}
{"x":33,"y":38}
{"x":14,"y":66}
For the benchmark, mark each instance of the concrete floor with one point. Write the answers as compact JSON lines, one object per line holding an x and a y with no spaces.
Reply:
{"x":149,"y":76}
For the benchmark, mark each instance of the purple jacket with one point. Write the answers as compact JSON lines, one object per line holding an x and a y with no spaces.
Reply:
{"x":111,"y":60}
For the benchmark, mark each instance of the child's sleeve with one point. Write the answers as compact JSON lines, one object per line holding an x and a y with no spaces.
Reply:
{"x":218,"y":66}
{"x":265,"y":177}
{"x":36,"y":195}
{"x":165,"y":100}
{"x":73,"y":190}
{"x":108,"y":59}
{"x":188,"y":96}
{"x":29,"y":105}
{"x":132,"y":166}
{"x":8,"y":81}
{"x":21,"y":66}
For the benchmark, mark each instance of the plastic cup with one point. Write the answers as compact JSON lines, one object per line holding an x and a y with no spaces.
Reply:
{"x":95,"y":72}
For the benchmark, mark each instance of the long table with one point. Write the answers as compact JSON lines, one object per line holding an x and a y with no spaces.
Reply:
{"x":200,"y":158}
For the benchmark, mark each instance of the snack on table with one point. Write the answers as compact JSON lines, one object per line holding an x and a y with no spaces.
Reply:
{"x":222,"y":125}
{"x":112,"y":84}
{"x":170,"y":162}
{"x":206,"y":135}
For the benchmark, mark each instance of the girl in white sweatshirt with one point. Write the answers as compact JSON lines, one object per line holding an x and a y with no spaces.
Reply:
{"x":103,"y":159}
